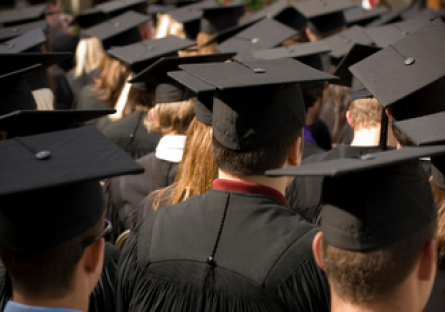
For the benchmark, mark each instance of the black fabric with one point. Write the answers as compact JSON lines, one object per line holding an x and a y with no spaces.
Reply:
{"x":87,"y":99}
{"x":362,"y":16}
{"x":321,"y":135}
{"x":311,"y":149}
{"x":24,"y":42}
{"x":62,"y":42}
{"x":326,"y":23}
{"x":359,"y":91}
{"x":304,"y":193}
{"x":130,"y":134}
{"x":22,"y":15}
{"x":426,"y":130}
{"x":123,"y":194}
{"x":202,"y":111}
{"x":436,"y":302}
{"x":170,"y":91}
{"x":218,"y":19}
{"x":38,"y":79}
{"x":147,"y":206}
{"x":14,"y":31}
{"x":77,"y":83}
{"x":63,"y":96}
{"x":16,"y":95}
{"x":163,"y":264}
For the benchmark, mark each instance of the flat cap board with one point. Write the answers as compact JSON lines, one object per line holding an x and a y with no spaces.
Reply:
{"x":22,"y":15}
{"x":112,"y":6}
{"x":116,"y":26}
{"x":89,"y":18}
{"x":363,"y":16}
{"x":406,"y":67}
{"x":393,"y":16}
{"x":275,"y":72}
{"x":191,"y":12}
{"x":24,"y":42}
{"x":316,"y":8}
{"x":340,"y":167}
{"x":15,"y":31}
{"x":228,"y":33}
{"x":76,"y":155}
{"x":385,"y":35}
{"x":24,"y":122}
{"x":341,"y":43}
{"x":191,"y":82}
{"x":294,"y":51}
{"x":12,"y":62}
{"x":426,"y":130}
{"x":270,"y":11}
{"x":265,"y":34}
{"x":216,"y":19}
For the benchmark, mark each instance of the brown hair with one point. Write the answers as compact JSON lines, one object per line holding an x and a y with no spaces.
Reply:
{"x":366,"y":113}
{"x":257,"y":160}
{"x":172,"y":117}
{"x":196,"y":171}
{"x":49,"y":273}
{"x":297,"y":39}
{"x":318,"y":37}
{"x":138,"y":101}
{"x":400,"y":136}
{"x":209,"y":49}
{"x":361,"y":277}
{"x":339,"y":97}
{"x":441,"y":235}
{"x":111,"y":80}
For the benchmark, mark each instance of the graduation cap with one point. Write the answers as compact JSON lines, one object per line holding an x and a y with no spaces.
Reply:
{"x":324,"y":15}
{"x":385,"y":35}
{"x":362,"y":17}
{"x":121,"y":30}
{"x":31,"y":122}
{"x":22,"y":15}
{"x":216,"y":19}
{"x":250,"y":93}
{"x":117,"y":7}
{"x":265,"y":34}
{"x":228,"y":33}
{"x":281,"y":11}
{"x":408,"y":76}
{"x":89,"y":18}
{"x":342,"y":42}
{"x":15,"y":31}
{"x":204,"y":92}
{"x":58,"y":172}
{"x":358,"y":191}
{"x":167,"y":89}
{"x":392,"y":16}
{"x":24,"y":42}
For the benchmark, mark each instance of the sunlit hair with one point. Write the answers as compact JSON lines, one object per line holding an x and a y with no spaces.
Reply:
{"x":111,"y":80}
{"x":171,"y":117}
{"x":366,"y":113}
{"x":209,"y":49}
{"x":44,"y":99}
{"x":297,"y":39}
{"x":168,"y":26}
{"x":89,"y":53}
{"x":339,"y":97}
{"x":196,"y":171}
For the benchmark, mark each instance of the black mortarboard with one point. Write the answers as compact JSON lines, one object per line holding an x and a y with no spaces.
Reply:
{"x":62,"y":42}
{"x":357,"y":53}
{"x":324,"y":15}
{"x":167,"y":89}
{"x":89,"y":18}
{"x":24,"y":42}
{"x":15,"y":31}
{"x":204,"y":92}
{"x":31,"y":122}
{"x":256,"y":102}
{"x":282,"y":12}
{"x":22,"y":15}
{"x":121,"y":30}
{"x":357,"y":192}
{"x":265,"y":34}
{"x":342,"y":42}
{"x":408,"y":75}
{"x":142,"y":54}
{"x":216,"y":19}
{"x":228,"y":33}
{"x":362,"y":17}
{"x":393,"y":16}
{"x":385,"y":35}
{"x":425,"y":130}
{"x":59,"y":173}
{"x":118,"y":7}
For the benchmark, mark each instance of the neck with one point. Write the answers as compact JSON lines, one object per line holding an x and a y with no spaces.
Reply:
{"x":366,"y":137}
{"x":74,"y":300}
{"x":278,"y":184}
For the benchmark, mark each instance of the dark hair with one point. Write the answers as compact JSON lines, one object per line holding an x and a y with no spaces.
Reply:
{"x":400,"y":136}
{"x":312,"y":94}
{"x":49,"y":273}
{"x":360,"y":277}
{"x":255,"y":161}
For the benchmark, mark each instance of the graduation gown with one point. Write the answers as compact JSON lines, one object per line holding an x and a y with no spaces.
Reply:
{"x":87,"y":100}
{"x":130,"y":134}
{"x":311,"y":149}
{"x":304,"y":193}
{"x":436,"y":303}
{"x":321,"y":135}
{"x":63,"y":96}
{"x":124,"y":193}
{"x":262,"y":256}
{"x":77,"y":83}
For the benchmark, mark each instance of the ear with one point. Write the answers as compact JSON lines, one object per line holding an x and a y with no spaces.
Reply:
{"x":294,"y":154}
{"x":388,"y":113}
{"x":93,"y":257}
{"x":316,"y":249}
{"x":427,"y":262}
{"x":349,"y":119}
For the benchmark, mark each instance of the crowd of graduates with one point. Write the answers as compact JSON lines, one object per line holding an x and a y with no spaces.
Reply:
{"x":192,"y":156}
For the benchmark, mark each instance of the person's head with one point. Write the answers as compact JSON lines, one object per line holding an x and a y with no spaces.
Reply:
{"x":89,"y":53}
{"x":208,"y":49}
{"x":364,"y":113}
{"x":53,"y":13}
{"x":168,"y":26}
{"x":312,"y":37}
{"x":133,"y":99}
{"x":171,"y":118}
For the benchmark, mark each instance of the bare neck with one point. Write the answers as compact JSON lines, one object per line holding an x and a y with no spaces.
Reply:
{"x":366,"y":137}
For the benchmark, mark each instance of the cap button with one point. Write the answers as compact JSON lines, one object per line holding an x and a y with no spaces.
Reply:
{"x":259,"y":70}
{"x":209,"y":260}
{"x":410,"y":61}
{"x":116,"y":24}
{"x":150,"y":47}
{"x":15,"y":29}
{"x":43,"y":155}
{"x":255,"y":40}
{"x":347,"y":40}
{"x":367,"y":157}
{"x":323,"y":3}
{"x":131,"y":135}
{"x":405,"y":33}
{"x":10,"y":45}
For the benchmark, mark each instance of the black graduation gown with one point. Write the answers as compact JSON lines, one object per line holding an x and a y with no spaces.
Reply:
{"x":103,"y":298}
{"x":321,"y":135}
{"x":87,"y":100}
{"x":130,"y":134}
{"x":77,"y":83}
{"x":63,"y":96}
{"x":304,"y":193}
{"x":124,"y":193}
{"x":264,"y":259}
{"x":436,"y":303}
{"x":311,"y":149}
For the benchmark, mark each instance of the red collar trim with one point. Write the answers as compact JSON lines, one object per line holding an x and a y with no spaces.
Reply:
{"x":248,"y":188}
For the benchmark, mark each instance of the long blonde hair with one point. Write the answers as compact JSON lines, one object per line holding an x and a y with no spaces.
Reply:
{"x":89,"y":52}
{"x":168,"y":26}
{"x":196,"y":171}
{"x":44,"y":99}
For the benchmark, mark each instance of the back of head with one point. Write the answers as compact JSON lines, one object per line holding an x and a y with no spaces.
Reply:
{"x":366,"y":113}
{"x":172,"y":118}
{"x":89,"y":53}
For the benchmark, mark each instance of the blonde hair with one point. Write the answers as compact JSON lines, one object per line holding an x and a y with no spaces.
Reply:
{"x":89,"y":53}
{"x":168,"y":26}
{"x":366,"y":113}
{"x":209,"y":49}
{"x":297,"y":39}
{"x":172,"y":117}
{"x":196,"y":171}
{"x":44,"y":99}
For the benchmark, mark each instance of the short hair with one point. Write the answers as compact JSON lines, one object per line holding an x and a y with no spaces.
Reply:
{"x":400,"y":136}
{"x":362,"y":277}
{"x":312,"y":94}
{"x":366,"y":113}
{"x":257,"y":160}
{"x":49,"y":273}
